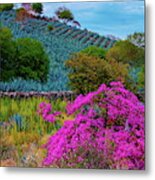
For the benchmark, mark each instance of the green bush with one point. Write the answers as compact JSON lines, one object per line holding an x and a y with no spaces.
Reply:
{"x":24,"y":57}
{"x":126,"y":52}
{"x":7,"y":54}
{"x":37,"y":7}
{"x":95,"y":51}
{"x":6,"y":7}
{"x":88,"y":72}
{"x":64,"y":14}
{"x":32,"y":61}
{"x":141,"y":78}
{"x":50,"y":27}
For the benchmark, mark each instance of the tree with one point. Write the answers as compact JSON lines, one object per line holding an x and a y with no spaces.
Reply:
{"x":6,"y":7}
{"x":64,"y":14}
{"x":7,"y":54}
{"x":126,"y":52}
{"x":95,"y":51}
{"x":88,"y":72}
{"x":37,"y":7}
{"x":32,"y":61}
{"x":24,"y":57}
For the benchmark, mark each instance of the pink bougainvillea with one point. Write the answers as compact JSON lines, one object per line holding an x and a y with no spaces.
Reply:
{"x":45,"y":111}
{"x":107,"y":132}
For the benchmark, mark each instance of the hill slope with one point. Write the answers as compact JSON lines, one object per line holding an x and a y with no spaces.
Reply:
{"x":59,"y":44}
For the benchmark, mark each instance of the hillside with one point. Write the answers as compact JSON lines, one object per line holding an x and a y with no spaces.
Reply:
{"x":59,"y":44}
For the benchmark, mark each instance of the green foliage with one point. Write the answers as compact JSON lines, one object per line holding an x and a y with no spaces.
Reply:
{"x":31,"y":61}
{"x":19,"y":9}
{"x":95,"y":51}
{"x":22,"y":112}
{"x":37,"y":7}
{"x":126,"y":52}
{"x":141,"y":78}
{"x":24,"y":131}
{"x":6,"y":7}
{"x":7,"y":53}
{"x":50,"y":27}
{"x":64,"y":14}
{"x":88,"y":72}
{"x":24,"y":58}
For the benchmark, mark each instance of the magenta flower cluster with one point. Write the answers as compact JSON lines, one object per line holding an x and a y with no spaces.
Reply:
{"x":107,"y":132}
{"x":45,"y":111}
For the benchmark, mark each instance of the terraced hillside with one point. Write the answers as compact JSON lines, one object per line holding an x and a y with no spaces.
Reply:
{"x":59,"y":44}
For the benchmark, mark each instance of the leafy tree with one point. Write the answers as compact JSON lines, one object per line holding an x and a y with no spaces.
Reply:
{"x":64,"y":14}
{"x":126,"y":52}
{"x":88,"y":72}
{"x":37,"y":7}
{"x":7,"y":54}
{"x":23,"y":58}
{"x":95,"y":51}
{"x":6,"y":7}
{"x":32,"y":61}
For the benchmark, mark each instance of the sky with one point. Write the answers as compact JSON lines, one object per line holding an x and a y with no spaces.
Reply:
{"x":119,"y":18}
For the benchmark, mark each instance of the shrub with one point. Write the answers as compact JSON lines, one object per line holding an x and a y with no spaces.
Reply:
{"x":141,"y":78}
{"x":50,"y":27}
{"x":126,"y":52}
{"x":95,"y":51}
{"x":6,"y":7}
{"x":64,"y":14}
{"x":22,"y":14}
{"x":23,"y":58}
{"x":37,"y":7}
{"x":107,"y":132}
{"x":7,"y":53}
{"x":32,"y":61}
{"x":88,"y":72}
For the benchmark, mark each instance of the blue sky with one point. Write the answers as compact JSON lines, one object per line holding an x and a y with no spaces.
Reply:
{"x":117,"y":18}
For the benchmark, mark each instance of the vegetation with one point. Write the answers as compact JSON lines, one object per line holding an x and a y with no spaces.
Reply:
{"x":141,"y":78}
{"x":138,"y":39}
{"x":59,"y":44}
{"x":95,"y":51}
{"x":22,"y":15}
{"x":88,"y":72}
{"x":106,"y":133}
{"x":37,"y":7}
{"x":98,"y":126}
{"x":126,"y":52}
{"x":50,"y":27}
{"x":24,"y":131}
{"x":6,"y":7}
{"x":32,"y":61}
{"x":64,"y":14}
{"x":8,"y":54}
{"x":24,"y":57}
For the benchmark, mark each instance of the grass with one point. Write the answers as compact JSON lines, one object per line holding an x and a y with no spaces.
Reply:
{"x":22,"y":146}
